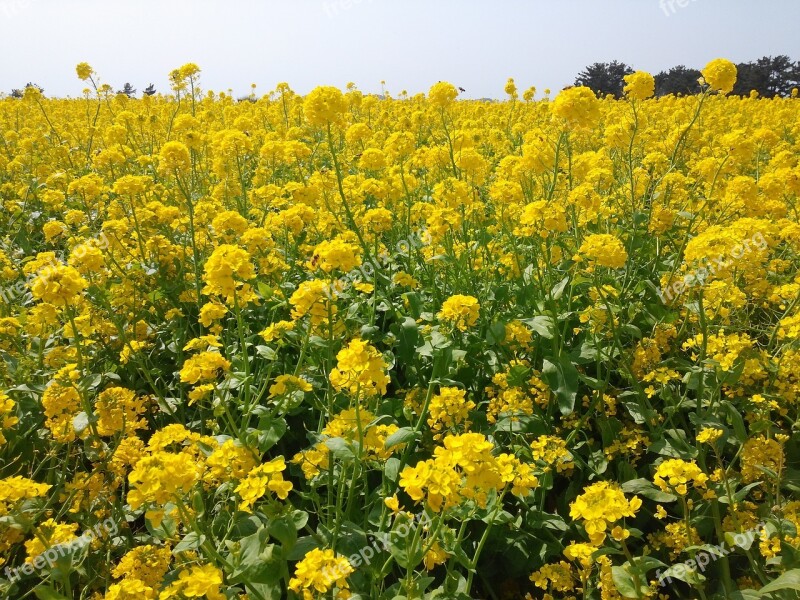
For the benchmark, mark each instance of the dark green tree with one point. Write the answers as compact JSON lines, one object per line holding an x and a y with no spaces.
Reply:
{"x":677,"y":80}
{"x":604,"y":78}
{"x":128,"y":90}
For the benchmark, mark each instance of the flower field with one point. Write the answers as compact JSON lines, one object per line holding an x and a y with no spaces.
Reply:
{"x":351,"y":346}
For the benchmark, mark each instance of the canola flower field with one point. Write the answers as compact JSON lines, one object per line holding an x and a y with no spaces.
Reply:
{"x":349,"y":346}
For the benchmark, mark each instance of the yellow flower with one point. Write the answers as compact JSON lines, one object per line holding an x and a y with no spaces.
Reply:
{"x":319,"y":572}
{"x":674,"y":474}
{"x":601,"y":504}
{"x":174,"y":157}
{"x":225,"y":272}
{"x":709,"y":435}
{"x":435,"y":556}
{"x":360,"y":370}
{"x":49,"y":534}
{"x":448,"y":408}
{"x":392,"y":503}
{"x":639,"y":85}
{"x":84,"y":71}
{"x":324,"y":105}
{"x":162,"y":477}
{"x":58,"y":285}
{"x":578,"y":106}
{"x":288,"y":383}
{"x":460,"y":311}
{"x":206,"y":366}
{"x":760,"y":456}
{"x":265,"y":477}
{"x":198,"y":581}
{"x":336,"y":254}
{"x":442,"y":94}
{"x":604,"y":250}
{"x":720,"y":74}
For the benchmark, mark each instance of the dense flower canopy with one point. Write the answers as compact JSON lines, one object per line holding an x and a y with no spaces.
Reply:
{"x":398,"y":346}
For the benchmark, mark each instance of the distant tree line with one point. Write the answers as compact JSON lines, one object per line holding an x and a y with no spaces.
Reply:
{"x":127,"y":89}
{"x":769,"y":76}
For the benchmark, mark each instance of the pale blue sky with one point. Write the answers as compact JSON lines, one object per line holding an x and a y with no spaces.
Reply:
{"x":409,"y":43}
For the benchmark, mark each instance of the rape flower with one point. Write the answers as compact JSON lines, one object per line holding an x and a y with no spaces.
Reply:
{"x":16,"y":488}
{"x":324,"y":105}
{"x":460,"y":311}
{"x":674,"y":474}
{"x":578,"y":106}
{"x":174,"y":157}
{"x":206,"y":366}
{"x":264,"y":477}
{"x":553,"y":452}
{"x":198,"y":581}
{"x":161,"y":477}
{"x":600,"y":505}
{"x":604,"y":250}
{"x":288,"y":383}
{"x":442,"y":94}
{"x":277,"y":330}
{"x":320,"y":572}
{"x":147,"y":564}
{"x":84,"y":71}
{"x":7,"y":417}
{"x":761,"y":456}
{"x":448,"y":408}
{"x":313,"y":297}
{"x":226,"y":271}
{"x":336,"y":254}
{"x":639,"y":85}
{"x":50,"y":533}
{"x":360,"y":370}
{"x":720,"y":74}
{"x":58,"y":285}
{"x":709,"y":435}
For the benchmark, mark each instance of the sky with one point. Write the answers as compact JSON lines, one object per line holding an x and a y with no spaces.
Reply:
{"x":409,"y":44}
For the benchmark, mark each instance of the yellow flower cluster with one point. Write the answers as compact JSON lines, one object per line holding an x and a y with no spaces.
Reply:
{"x":464,"y":468}
{"x":460,"y":311}
{"x":600,"y":505}
{"x":675,"y":475}
{"x":360,"y":370}
{"x":320,"y":572}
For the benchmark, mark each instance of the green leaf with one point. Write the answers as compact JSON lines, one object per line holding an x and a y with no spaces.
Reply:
{"x":191,"y":541}
{"x":392,"y":468}
{"x":788,"y":581}
{"x":284,"y":530}
{"x":340,"y":448}
{"x":643,"y":487}
{"x":624,"y":583}
{"x":45,"y":592}
{"x":541,"y":324}
{"x":558,"y":289}
{"x":736,"y":421}
{"x":303,"y":546}
{"x":401,"y":436}
{"x":270,"y":430}
{"x":496,"y":333}
{"x":562,"y":377}
{"x":684,"y":573}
